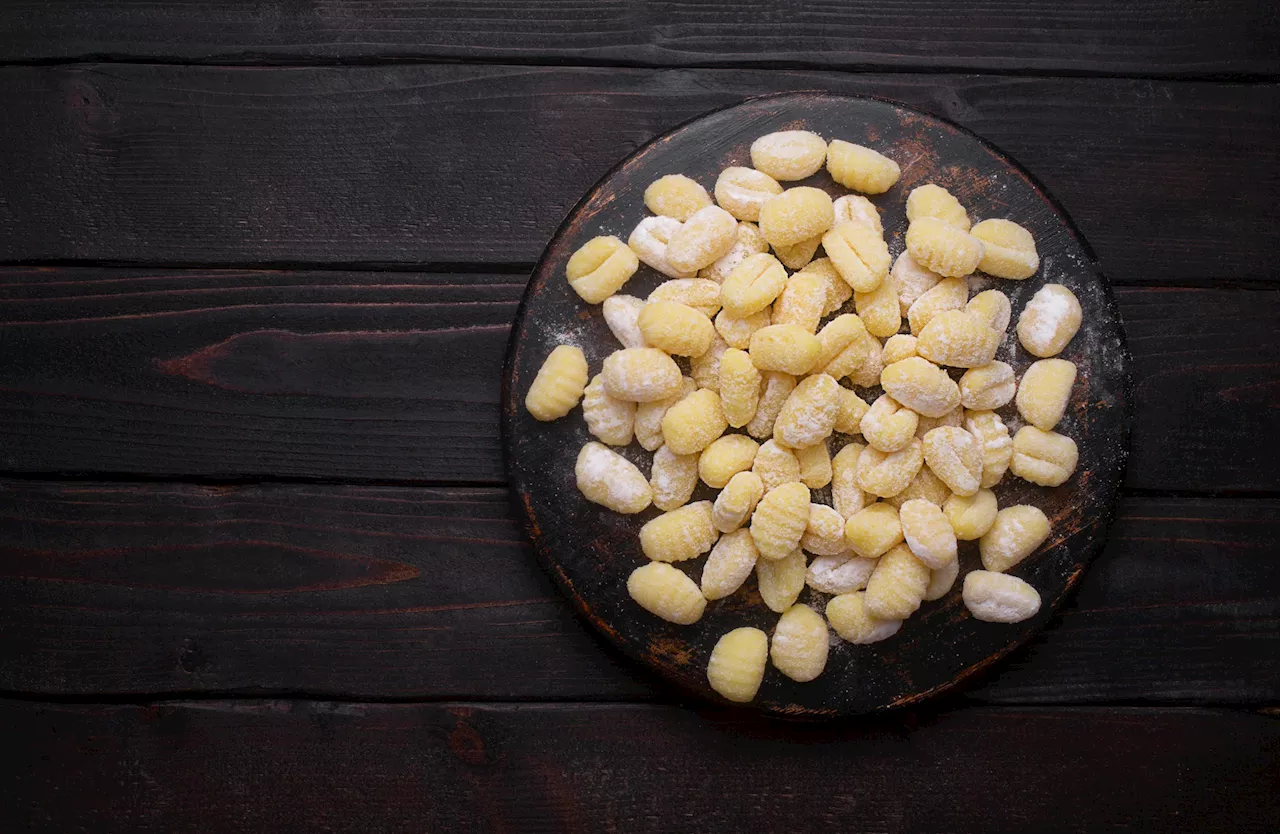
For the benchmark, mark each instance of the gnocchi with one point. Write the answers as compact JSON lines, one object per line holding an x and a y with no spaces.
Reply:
{"x":600,"y":268}
{"x":815,"y":465}
{"x":789,"y":155}
{"x":780,"y":520}
{"x":737,"y":501}
{"x":749,"y":242}
{"x":887,"y":473}
{"x":648,"y":416}
{"x":796,"y":215}
{"x":987,"y":387}
{"x":777,"y":387}
{"x":897,"y":585}
{"x":640,"y":375}
{"x":672,"y":478}
{"x":855,"y":207}
{"x":679,"y":535}
{"x":666,"y":592}
{"x":802,"y":301}
{"x":872,"y":531}
{"x":559,"y":384}
{"x":742,"y":191}
{"x":928,"y":533}
{"x":622,"y":315}
{"x":860,"y":168}
{"x":809,"y":414}
{"x":784,"y":347}
{"x":838,"y":291}
{"x":608,"y":419}
{"x":607,"y":478}
{"x":971,"y":516}
{"x":731,"y":561}
{"x":676,"y":195}
{"x":798,"y":255}
{"x":942,"y":248}
{"x":690,"y":425}
{"x":703,"y":239}
{"x":824,"y":534}
{"x":851,"y":620}
{"x":931,"y":200}
{"x":941,"y":581}
{"x":1049,"y":321}
{"x":740,"y":387}
{"x":842,"y":574}
{"x":1045,"y":391}
{"x":648,"y":242}
{"x":955,"y":456}
{"x":736,"y":667}
{"x":1045,"y":458}
{"x":780,"y":581}
{"x":675,"y":328}
{"x":846,"y":493}
{"x":1014,"y":535}
{"x":957,"y":339}
{"x":701,"y":294}
{"x":752,"y":285}
{"x":888,"y":425}
{"x":800,"y":644}
{"x":776,"y":465}
{"x":910,"y":281}
{"x":737,"y":332}
{"x":1008,"y":250}
{"x":999,"y":597}
{"x":947,"y":294}
{"x":726,"y":457}
{"x":997,"y":448}
{"x":859,"y":255}
{"x":921,"y":386}
{"x":992,"y":308}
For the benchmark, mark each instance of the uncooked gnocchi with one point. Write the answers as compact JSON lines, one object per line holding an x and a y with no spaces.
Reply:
{"x":737,"y":501}
{"x":999,"y":597}
{"x":666,"y":592}
{"x":559,"y":384}
{"x":780,"y":520}
{"x":731,"y":561}
{"x":690,"y":425}
{"x":610,"y":480}
{"x":1043,"y":457}
{"x":702,"y":239}
{"x":860,"y":168}
{"x":679,"y":535}
{"x":736,"y":667}
{"x":675,"y":195}
{"x":726,"y":457}
{"x":675,"y":328}
{"x":1014,"y":535}
{"x":742,"y":191}
{"x":809,"y":414}
{"x":850,"y":618}
{"x":601,"y":267}
{"x":1008,"y":250}
{"x":796,"y":215}
{"x":800,"y":645}
{"x":1049,"y":321}
{"x":1045,"y":391}
{"x":938,"y":246}
{"x":859,"y":254}
{"x":789,"y":154}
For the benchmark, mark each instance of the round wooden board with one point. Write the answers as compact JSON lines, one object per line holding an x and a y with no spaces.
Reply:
{"x":590,"y":551}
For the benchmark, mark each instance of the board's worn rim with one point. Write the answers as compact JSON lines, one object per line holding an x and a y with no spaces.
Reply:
{"x":512,"y":403}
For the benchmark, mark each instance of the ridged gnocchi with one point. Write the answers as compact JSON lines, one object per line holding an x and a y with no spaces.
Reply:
{"x":957,"y":339}
{"x":740,"y":387}
{"x":780,"y":581}
{"x":690,"y":425}
{"x":897,"y":585}
{"x":800,"y":644}
{"x":796,"y":215}
{"x":789,"y":155}
{"x":737,"y":501}
{"x":675,"y":195}
{"x":780,"y":520}
{"x":942,"y":248}
{"x":701,"y":240}
{"x":1014,"y":535}
{"x":600,"y":268}
{"x":559,"y":384}
{"x":859,"y":254}
{"x":809,"y":414}
{"x":730,"y":564}
{"x":752,"y":285}
{"x":667,"y":592}
{"x":988,"y":387}
{"x":860,"y":168}
{"x":1045,"y":458}
{"x":776,"y":465}
{"x":955,"y":456}
{"x":726,"y":457}
{"x":742,"y":191}
{"x":736,"y":667}
{"x":679,"y":535}
{"x":1045,"y":392}
{"x":1008,"y":250}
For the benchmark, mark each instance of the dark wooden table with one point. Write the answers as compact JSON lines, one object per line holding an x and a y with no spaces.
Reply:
{"x":258,"y":568}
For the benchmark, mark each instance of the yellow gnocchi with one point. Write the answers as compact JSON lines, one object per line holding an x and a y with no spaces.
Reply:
{"x":971,"y":516}
{"x":815,"y":465}
{"x":873,"y":530}
{"x":860,"y":168}
{"x":679,"y":535}
{"x":622,"y":315}
{"x":800,"y":644}
{"x":852,"y":409}
{"x":925,"y":486}
{"x":736,"y":667}
{"x":608,"y":419}
{"x":1045,"y":458}
{"x":887,"y":473}
{"x":795,"y":215}
{"x":776,"y":465}
{"x":856,"y":208}
{"x":1049,"y":321}
{"x":672,"y":478}
{"x":600,"y":268}
{"x":947,"y":294}
{"x":897,"y":585}
{"x":928,"y":533}
{"x":942,"y":580}
{"x":666,"y":592}
{"x":852,"y":621}
{"x":997,"y":447}
{"x":742,"y":191}
{"x":737,"y":501}
{"x":841,"y":574}
{"x":999,"y":598}
{"x":846,"y":349}
{"x":731,"y":561}
{"x":931,"y":200}
{"x":649,"y":240}
{"x":606,"y":478}
{"x":780,"y":581}
{"x":749,"y":242}
{"x":699,"y":293}
{"x":910,"y":281}
{"x":780,"y":520}
{"x":859,"y":254}
{"x":838,"y":290}
{"x":784,"y":347}
{"x":921,"y":386}
{"x":705,"y":369}
{"x":809,"y":414}
{"x":676,"y":328}
{"x":942,"y":248}
{"x":954,"y":417}
{"x":676,"y":195}
{"x":957,"y":339}
{"x":888,"y":425}
{"x":1008,"y":250}
{"x":640,"y":375}
{"x":798,"y":255}
{"x":878,"y":310}
{"x":898,"y":347}
{"x":753,"y":285}
{"x":992,"y":308}
{"x":802,"y":301}
{"x":824,"y":535}
{"x":740,"y":387}
{"x":1045,"y":390}
{"x":1014,"y":535}
{"x":559,"y":384}
{"x":955,"y":456}
{"x":987,"y":387}
{"x":737,"y":332}
{"x":789,"y":155}
{"x":777,"y":387}
{"x":701,"y":240}
{"x":726,"y":457}
{"x":648,"y":416}
{"x":690,"y":425}
{"x":846,"y":493}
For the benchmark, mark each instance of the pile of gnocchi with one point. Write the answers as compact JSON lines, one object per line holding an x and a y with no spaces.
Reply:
{"x":731,"y":374}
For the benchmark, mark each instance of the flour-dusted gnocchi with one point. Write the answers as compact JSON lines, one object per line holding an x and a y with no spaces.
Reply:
{"x":690,"y":425}
{"x":607,"y":478}
{"x":750,"y":242}
{"x":622,"y":315}
{"x":802,"y":301}
{"x":860,"y":168}
{"x":780,"y":520}
{"x":925,"y":486}
{"x":667,"y":592}
{"x":740,"y":387}
{"x":887,"y":473}
{"x":859,"y":254}
{"x":911,"y":281}
{"x":809,"y":414}
{"x":997,"y":447}
{"x":931,"y":200}
{"x":957,"y":339}
{"x":999,"y":597}
{"x":878,"y":310}
{"x":648,"y":416}
{"x":704,"y":238}
{"x":737,"y":501}
{"x":928,"y":533}
{"x":672,"y":478}
{"x":988,"y":387}
{"x":640,"y":375}
{"x":943,"y":248}
{"x":731,"y":561}
{"x":947,"y":294}
{"x":800,"y":644}
{"x":992,"y":308}
{"x":776,"y":465}
{"x":1015,"y":535}
{"x":971,"y":516}
{"x":942,"y":580}
{"x":608,"y":419}
{"x":701,"y":294}
{"x":648,"y":241}
{"x":737,"y":664}
{"x":852,"y":409}
{"x":559,"y":384}
{"x":780,"y":581}
{"x":777,"y":387}
{"x":846,"y":494}
{"x":798,"y":255}
{"x":742,"y":191}
{"x":921,"y":386}
{"x":600,"y":268}
{"x":898,"y":347}
{"x":1008,"y":250}
{"x":789,"y":155}
{"x":815,"y":465}
{"x":736,"y":331}
{"x":838,"y":291}
{"x":784,"y":347}
{"x":1045,"y":391}
{"x":705,"y":369}
{"x":753,"y":285}
{"x":1049,"y":321}
{"x":726,"y":457}
{"x":888,"y":425}
{"x":676,"y":328}
{"x":955,"y":456}
{"x":897,"y":585}
{"x":796,"y":215}
{"x":873,"y":530}
{"x":846,"y":349}
{"x":954,"y":417}
{"x":676,"y":195}
{"x":679,"y":535}
{"x":1045,"y":458}
{"x":841,"y":574}
{"x":855,"y":207}
{"x":852,"y":621}
{"x":824,"y":534}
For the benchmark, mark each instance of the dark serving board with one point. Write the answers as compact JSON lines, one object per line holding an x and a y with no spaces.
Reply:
{"x":590,"y":551}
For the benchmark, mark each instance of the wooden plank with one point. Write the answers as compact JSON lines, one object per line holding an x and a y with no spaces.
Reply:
{"x":307,"y":766}
{"x":464,"y":164}
{"x":1167,"y":37}
{"x":371,"y":593}
{"x":394,"y":376}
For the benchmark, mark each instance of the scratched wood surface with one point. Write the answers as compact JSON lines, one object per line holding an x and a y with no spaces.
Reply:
{"x":590,"y":550}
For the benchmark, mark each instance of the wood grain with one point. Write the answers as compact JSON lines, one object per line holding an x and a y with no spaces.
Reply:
{"x":463,"y":164}
{"x":291,"y":766}
{"x":394,"y":376}
{"x":1168,"y":37}
{"x":371,"y":593}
